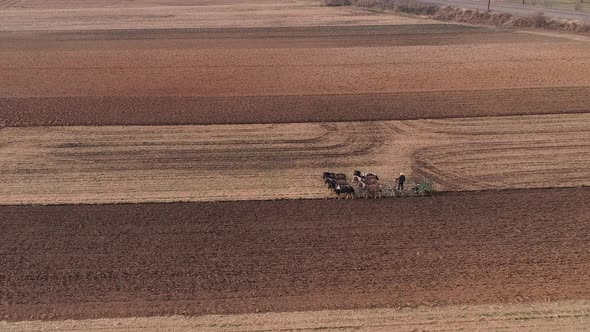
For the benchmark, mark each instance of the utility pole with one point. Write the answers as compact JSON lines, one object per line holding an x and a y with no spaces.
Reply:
{"x":489,"y":1}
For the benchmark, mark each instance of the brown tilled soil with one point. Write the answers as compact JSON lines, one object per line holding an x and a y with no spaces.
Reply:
{"x":279,"y":74}
{"x":168,"y":110}
{"x":94,"y":261}
{"x":256,"y":70}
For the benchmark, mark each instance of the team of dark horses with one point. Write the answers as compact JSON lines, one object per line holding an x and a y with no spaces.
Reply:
{"x":366,"y":183}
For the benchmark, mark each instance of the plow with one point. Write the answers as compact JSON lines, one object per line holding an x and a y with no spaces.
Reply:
{"x":368,"y":185}
{"x":417,"y":188}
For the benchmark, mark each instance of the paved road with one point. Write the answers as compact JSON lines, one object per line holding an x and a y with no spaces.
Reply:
{"x":515,"y":9}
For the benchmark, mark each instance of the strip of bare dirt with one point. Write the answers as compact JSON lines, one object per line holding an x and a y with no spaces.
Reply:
{"x":83,"y":111}
{"x":91,"y":261}
{"x":218,"y":34}
{"x":261,"y":38}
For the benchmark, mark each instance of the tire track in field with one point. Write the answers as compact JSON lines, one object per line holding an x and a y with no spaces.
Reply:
{"x":8,"y":4}
{"x":506,"y":154}
{"x":220,"y":162}
{"x":222,"y":153}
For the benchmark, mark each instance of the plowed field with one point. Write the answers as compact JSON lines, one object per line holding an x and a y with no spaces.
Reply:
{"x":286,"y":74}
{"x":85,"y":261}
{"x":219,"y":108}
{"x":170,"y":110}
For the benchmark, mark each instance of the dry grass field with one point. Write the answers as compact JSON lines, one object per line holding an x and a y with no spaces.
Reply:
{"x":57,"y":165}
{"x":568,"y":315}
{"x":37,"y":15}
{"x":213,"y":119}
